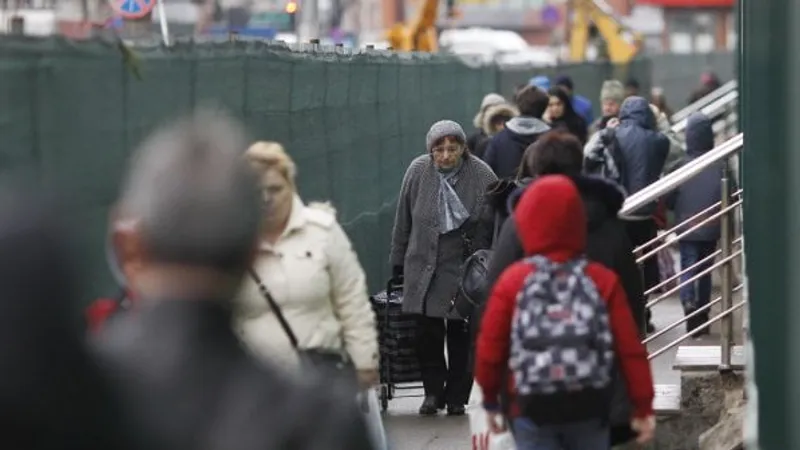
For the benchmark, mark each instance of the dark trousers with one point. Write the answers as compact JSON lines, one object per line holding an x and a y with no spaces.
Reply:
{"x":696,"y":294}
{"x":449,"y":381}
{"x":640,"y":232}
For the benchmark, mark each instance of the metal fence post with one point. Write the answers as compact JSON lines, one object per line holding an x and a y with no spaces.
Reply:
{"x":726,"y":278}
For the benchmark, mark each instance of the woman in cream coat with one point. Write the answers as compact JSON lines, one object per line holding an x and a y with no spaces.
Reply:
{"x":307,"y":263}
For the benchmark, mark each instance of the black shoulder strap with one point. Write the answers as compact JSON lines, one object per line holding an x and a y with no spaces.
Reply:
{"x":276,"y":309}
{"x":619,"y":158}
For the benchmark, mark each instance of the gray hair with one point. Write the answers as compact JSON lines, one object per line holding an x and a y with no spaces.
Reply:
{"x":192,"y":194}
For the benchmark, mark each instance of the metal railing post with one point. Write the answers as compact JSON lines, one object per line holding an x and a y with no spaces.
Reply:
{"x":726,"y":276}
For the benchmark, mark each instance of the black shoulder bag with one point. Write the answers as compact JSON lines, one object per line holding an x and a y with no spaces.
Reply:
{"x":319,"y":359}
{"x":472,"y":287}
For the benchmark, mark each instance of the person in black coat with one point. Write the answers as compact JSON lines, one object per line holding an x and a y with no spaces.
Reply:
{"x":564,"y":117}
{"x":696,"y":195}
{"x":607,"y":242}
{"x":52,"y":395}
{"x":505,"y":149}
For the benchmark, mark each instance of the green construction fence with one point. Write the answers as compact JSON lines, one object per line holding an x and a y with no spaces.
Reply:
{"x":71,"y":113}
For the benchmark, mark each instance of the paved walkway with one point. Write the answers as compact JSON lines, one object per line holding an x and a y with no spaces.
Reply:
{"x":408,"y":431}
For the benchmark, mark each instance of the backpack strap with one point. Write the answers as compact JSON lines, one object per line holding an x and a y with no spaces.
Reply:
{"x":542,"y":262}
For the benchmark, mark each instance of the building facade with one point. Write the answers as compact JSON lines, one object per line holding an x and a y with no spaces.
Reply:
{"x":695,"y":26}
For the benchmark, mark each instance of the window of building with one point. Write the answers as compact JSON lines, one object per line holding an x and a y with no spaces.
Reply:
{"x":691,"y":31}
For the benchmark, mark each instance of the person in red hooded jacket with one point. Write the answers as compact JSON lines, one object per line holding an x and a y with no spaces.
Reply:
{"x":551,"y":222}
{"x":103,"y":309}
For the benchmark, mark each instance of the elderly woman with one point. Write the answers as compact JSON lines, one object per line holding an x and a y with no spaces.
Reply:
{"x":307,"y":266}
{"x":441,"y":219}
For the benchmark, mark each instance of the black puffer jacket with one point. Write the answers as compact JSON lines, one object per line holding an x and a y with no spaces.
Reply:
{"x":643,"y":147}
{"x":607,"y":244}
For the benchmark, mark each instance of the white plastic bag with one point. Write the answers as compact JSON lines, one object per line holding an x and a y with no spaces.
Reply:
{"x":502,"y":441}
{"x":482,"y":438}
{"x":372,"y":417}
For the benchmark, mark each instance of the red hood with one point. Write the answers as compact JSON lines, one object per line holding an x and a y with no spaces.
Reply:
{"x":551,"y":219}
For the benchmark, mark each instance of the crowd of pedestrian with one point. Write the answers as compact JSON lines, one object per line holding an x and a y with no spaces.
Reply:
{"x":562,"y":261}
{"x":243,"y":320}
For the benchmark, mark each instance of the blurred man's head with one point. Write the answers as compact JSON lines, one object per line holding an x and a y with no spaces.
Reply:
{"x":190,"y":206}
{"x":631,"y":87}
{"x":532,"y":102}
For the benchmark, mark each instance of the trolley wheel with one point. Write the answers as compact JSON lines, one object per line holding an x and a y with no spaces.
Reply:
{"x":384,"y":397}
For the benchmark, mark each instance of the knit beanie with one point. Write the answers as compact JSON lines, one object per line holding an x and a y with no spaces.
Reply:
{"x":489,"y":100}
{"x":444,"y":128}
{"x":612,"y":90}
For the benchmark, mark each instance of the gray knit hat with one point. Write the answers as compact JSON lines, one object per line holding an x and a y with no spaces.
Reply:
{"x":444,"y":128}
{"x":612,"y":90}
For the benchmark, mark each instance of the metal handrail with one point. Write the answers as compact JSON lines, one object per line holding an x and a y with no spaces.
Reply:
{"x":694,"y":278}
{"x":671,"y":181}
{"x":675,"y":229}
{"x":711,"y":110}
{"x":694,"y":228}
{"x":705,"y":101}
{"x":694,"y":313}
{"x":710,"y":322}
{"x":669,"y":280}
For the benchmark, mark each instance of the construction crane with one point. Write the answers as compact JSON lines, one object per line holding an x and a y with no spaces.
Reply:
{"x":622,"y":44}
{"x":421,"y":36}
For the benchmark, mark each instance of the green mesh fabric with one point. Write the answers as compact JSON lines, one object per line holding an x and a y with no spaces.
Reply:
{"x":72,"y":112}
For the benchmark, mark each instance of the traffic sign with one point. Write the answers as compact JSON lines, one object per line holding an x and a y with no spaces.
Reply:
{"x":550,"y":15}
{"x":133,"y":9}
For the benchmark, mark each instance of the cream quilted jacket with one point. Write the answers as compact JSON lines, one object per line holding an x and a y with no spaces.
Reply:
{"x":315,"y":277}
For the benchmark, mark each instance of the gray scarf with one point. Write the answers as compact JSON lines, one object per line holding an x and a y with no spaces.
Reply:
{"x":452,"y":213}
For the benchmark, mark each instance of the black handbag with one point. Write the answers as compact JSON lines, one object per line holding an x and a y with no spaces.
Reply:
{"x":473,"y":287}
{"x":319,"y":359}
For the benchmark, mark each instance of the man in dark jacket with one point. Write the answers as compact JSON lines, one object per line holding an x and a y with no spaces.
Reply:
{"x":505,"y":149}
{"x":644,"y":152}
{"x":607,"y":242}
{"x":694,"y":196}
{"x":176,"y":363}
{"x":52,"y":395}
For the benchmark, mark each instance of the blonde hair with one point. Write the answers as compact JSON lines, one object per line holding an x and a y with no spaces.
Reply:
{"x":267,"y":155}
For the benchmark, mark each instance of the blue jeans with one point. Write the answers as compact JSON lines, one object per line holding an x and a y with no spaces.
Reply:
{"x":698,"y":293}
{"x":588,"y":435}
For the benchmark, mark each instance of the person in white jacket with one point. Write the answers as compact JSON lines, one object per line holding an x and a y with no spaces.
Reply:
{"x":309,"y":267}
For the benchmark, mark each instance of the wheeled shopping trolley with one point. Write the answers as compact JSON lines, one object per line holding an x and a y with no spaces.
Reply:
{"x":399,"y":367}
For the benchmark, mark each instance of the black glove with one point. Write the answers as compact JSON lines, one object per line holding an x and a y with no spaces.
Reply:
{"x":397,"y":275}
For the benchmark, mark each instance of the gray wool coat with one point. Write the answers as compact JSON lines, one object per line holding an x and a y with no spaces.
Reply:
{"x":431,"y":261}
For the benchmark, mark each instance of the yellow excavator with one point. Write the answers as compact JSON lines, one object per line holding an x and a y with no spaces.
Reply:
{"x":421,"y":35}
{"x":621,"y":43}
